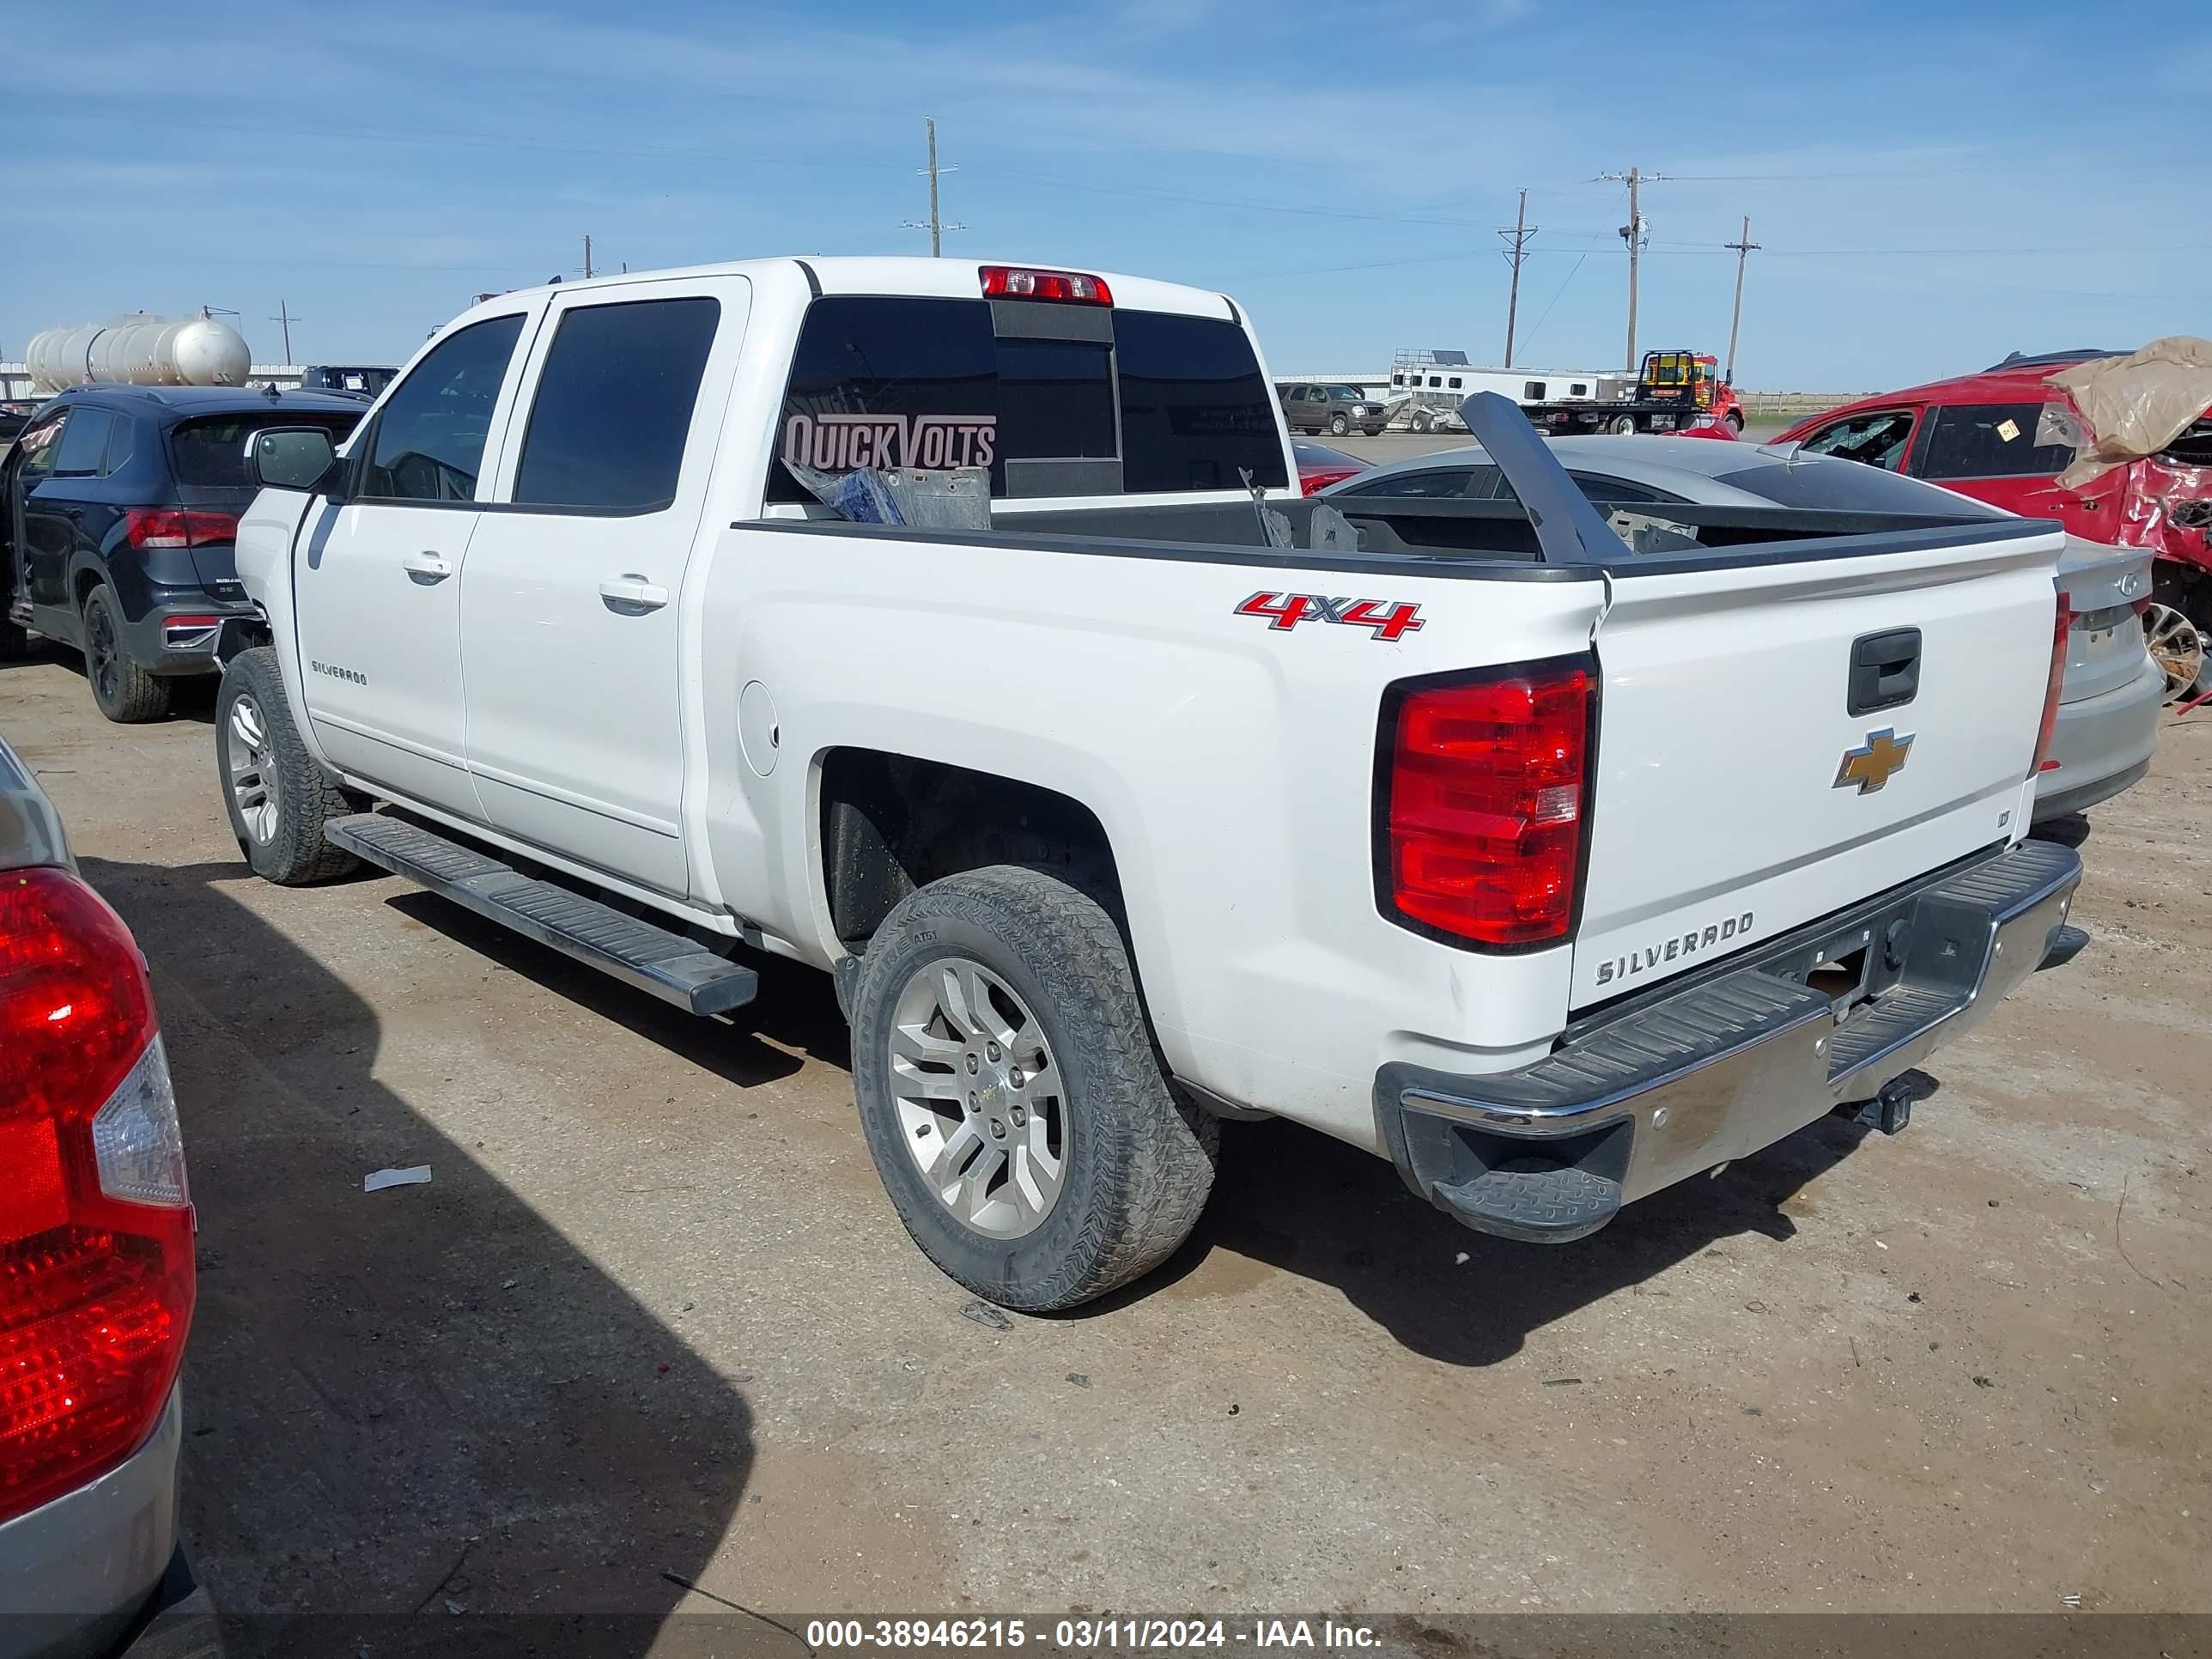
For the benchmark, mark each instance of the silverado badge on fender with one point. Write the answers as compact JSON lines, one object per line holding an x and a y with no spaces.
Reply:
{"x":1875,"y":762}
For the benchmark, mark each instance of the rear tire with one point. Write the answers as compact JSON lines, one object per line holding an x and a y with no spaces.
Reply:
{"x":1623,"y":425}
{"x":1421,"y":421}
{"x":277,"y":797}
{"x":121,"y":690}
{"x":948,"y":1110}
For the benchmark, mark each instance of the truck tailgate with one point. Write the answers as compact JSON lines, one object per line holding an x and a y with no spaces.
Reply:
{"x":1737,"y":794}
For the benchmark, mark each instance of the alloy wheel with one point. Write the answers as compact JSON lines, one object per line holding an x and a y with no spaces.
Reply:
{"x":2176,"y":647}
{"x":251,"y":763}
{"x":979,"y":1097}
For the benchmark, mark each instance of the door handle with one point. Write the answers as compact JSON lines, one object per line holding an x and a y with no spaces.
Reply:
{"x":632,"y":589}
{"x":434,"y":566}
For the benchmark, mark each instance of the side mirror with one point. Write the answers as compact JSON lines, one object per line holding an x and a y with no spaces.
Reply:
{"x":294,"y":458}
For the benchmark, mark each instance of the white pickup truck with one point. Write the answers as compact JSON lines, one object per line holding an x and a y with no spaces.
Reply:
{"x":1528,"y":856}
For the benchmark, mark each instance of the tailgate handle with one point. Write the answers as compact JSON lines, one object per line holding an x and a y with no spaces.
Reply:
{"x":1885,"y":671}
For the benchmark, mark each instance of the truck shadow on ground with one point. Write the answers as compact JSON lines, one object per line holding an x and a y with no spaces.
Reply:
{"x":1286,"y":1198}
{"x":794,"y":1016}
{"x":1302,"y":1203}
{"x":419,"y":1421}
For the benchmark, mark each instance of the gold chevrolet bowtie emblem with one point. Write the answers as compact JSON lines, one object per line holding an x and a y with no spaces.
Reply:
{"x":1874,"y":763}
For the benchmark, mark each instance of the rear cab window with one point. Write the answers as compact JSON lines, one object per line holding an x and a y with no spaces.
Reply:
{"x":1052,"y":400}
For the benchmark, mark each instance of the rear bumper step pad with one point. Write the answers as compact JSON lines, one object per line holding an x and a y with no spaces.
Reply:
{"x":669,"y":965}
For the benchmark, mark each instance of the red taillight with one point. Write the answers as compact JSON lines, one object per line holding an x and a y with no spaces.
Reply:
{"x":1485,"y":811}
{"x":95,"y":1225}
{"x":2059,"y":628}
{"x":178,"y":527}
{"x":1313,"y":483}
{"x":1068,"y":287}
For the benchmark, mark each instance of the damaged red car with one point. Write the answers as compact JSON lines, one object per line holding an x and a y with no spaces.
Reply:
{"x":2023,"y":435}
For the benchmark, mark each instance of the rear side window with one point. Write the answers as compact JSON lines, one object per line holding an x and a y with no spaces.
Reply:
{"x":210,"y":452}
{"x":1600,"y":487}
{"x":82,"y":451}
{"x":1989,"y":440}
{"x":429,"y":440}
{"x":1476,"y":483}
{"x":613,"y":406}
{"x":929,"y":384}
{"x":1832,"y":486}
{"x":1195,"y":412}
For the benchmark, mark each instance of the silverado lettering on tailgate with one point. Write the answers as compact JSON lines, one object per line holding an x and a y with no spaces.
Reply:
{"x":1673,"y":949}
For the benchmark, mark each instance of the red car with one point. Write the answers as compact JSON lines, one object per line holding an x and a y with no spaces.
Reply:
{"x":1978,"y":435}
{"x":1319,"y":466}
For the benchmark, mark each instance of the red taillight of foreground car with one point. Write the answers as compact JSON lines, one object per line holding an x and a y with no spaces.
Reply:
{"x":2060,"y":628}
{"x":178,"y":527}
{"x":1313,"y":480}
{"x":95,"y":1224}
{"x":1487,"y":789}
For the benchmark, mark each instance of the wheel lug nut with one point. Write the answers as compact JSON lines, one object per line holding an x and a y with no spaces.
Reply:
{"x":972,"y":1063}
{"x":992,"y":1050}
{"x":974,"y":1104}
{"x":1020,"y":1117}
{"x":1014,"y":1076}
{"x":998,"y":1130}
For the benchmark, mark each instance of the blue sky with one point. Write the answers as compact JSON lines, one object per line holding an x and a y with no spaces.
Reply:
{"x":1933,"y":185}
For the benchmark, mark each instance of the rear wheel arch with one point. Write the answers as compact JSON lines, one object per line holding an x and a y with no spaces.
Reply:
{"x":890,"y":824}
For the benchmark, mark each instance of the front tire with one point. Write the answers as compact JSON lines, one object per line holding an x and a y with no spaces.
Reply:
{"x":1338,"y":426}
{"x":278,"y":798}
{"x":121,"y":690}
{"x":1735,"y":421}
{"x":1011,"y":1095}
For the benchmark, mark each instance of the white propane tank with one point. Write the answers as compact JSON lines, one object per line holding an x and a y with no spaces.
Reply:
{"x":139,"y":350}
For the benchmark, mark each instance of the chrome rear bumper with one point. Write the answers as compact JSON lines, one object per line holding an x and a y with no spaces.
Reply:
{"x":1713,"y":1068}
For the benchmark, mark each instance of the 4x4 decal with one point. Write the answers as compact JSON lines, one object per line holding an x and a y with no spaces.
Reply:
{"x":1287,"y":610}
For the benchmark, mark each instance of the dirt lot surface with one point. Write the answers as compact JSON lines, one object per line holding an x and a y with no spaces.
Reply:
{"x":655,"y":1315}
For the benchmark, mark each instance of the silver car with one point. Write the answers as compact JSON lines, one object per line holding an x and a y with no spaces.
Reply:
{"x":1309,"y":406}
{"x":2109,"y":702}
{"x":97,"y":1259}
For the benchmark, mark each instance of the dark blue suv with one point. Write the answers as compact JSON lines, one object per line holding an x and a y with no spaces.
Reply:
{"x":118,"y":506}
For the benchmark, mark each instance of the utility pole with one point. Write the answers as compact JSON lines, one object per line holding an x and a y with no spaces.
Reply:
{"x":936,"y":227}
{"x":1521,"y":231}
{"x":1743,"y":246}
{"x":1632,"y":232}
{"x":284,"y":319}
{"x":588,"y":257}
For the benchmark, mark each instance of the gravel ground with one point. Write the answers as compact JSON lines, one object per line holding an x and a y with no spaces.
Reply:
{"x":654,"y":1314}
